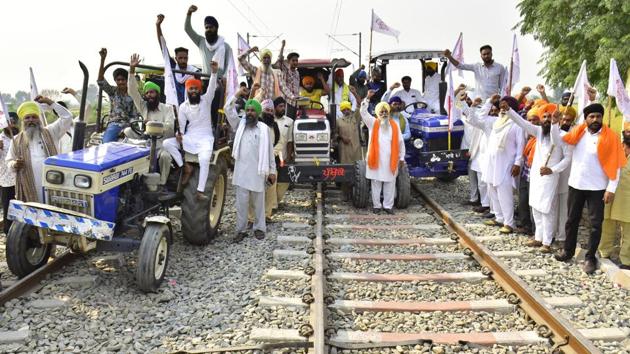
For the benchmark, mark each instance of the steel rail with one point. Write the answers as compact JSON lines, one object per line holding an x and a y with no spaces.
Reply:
{"x":565,"y":337}
{"x":318,"y":309}
{"x":32,"y":280}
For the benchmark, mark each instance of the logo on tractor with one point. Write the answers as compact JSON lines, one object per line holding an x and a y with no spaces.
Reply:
{"x":333,"y":172}
{"x":117,"y":175}
{"x":69,"y":201}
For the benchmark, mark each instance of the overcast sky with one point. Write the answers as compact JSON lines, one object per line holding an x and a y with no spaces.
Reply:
{"x":51,"y":36}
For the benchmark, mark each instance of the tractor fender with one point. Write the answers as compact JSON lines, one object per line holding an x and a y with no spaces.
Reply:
{"x":160,"y":219}
{"x":217,"y":153}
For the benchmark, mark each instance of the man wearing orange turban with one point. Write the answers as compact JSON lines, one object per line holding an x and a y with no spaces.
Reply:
{"x":386,"y":150}
{"x":308,"y":88}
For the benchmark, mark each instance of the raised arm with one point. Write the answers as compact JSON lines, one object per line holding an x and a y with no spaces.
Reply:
{"x":325,"y":87}
{"x":194,"y":36}
{"x":280,"y":61}
{"x":101,"y":68}
{"x":59,"y":127}
{"x":388,"y":93}
{"x":528,"y":127}
{"x":242,"y":59}
{"x":212,"y":86}
{"x":230,"y":109}
{"x":158,"y":27}
{"x":366,"y":117}
{"x":132,"y":83}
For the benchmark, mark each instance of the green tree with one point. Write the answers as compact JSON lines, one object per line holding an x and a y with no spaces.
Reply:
{"x":22,"y":96}
{"x":572,"y":31}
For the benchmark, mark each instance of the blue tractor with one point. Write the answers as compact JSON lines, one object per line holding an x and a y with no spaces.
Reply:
{"x":106,"y":197}
{"x":428,"y":153}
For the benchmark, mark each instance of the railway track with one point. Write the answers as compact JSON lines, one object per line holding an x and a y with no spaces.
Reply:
{"x":329,"y":256}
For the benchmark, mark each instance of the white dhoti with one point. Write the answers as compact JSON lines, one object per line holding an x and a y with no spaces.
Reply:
{"x":389,"y":193}
{"x":502,"y":201}
{"x":546,"y":223}
{"x":243,"y":197}
{"x":200,"y":146}
{"x":473,"y":183}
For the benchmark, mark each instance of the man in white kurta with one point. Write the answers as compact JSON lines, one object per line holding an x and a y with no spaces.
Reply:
{"x":505,"y":144}
{"x":383,"y":178}
{"x":151,"y":109}
{"x":195,"y":120}
{"x":549,"y":161}
{"x":32,"y":134}
{"x":477,"y":156}
{"x":568,"y":117}
{"x":254,"y":165}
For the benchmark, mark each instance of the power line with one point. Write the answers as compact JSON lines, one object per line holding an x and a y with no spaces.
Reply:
{"x":256,"y":16}
{"x":245,"y":17}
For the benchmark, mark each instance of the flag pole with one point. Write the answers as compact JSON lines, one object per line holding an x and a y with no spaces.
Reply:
{"x":509,"y":88}
{"x":609,"y":108}
{"x":370,"y":51}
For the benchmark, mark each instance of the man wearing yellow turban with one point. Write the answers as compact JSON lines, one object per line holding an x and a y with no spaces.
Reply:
{"x":33,"y":145}
{"x":386,"y":150}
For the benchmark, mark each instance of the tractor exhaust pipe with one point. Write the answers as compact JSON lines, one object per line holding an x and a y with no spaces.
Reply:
{"x":78,"y":137}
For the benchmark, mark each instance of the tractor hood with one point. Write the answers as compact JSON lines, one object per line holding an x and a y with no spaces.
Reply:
{"x":99,"y":158}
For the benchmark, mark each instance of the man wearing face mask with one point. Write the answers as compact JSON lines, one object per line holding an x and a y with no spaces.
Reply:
{"x":504,"y":153}
{"x":566,"y":122}
{"x":595,"y":169}
{"x":254,"y":165}
{"x":386,"y":150}
{"x":7,"y":175}
{"x":195,"y":121}
{"x":151,"y":109}
{"x":33,"y":145}
{"x":549,"y":158}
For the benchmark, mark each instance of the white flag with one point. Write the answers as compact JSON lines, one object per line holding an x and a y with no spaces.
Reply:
{"x":516,"y":64}
{"x":35,"y":93}
{"x":458,"y":54}
{"x":379,"y":26}
{"x":580,"y":91}
{"x":617,"y":90}
{"x":4,"y":114}
{"x":170,"y":90}
{"x":242,"y":48}
{"x":450,"y":100}
{"x":231,"y":77}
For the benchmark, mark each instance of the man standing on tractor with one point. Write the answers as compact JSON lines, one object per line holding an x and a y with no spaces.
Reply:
{"x":342,"y":92}
{"x":151,"y":109}
{"x":33,"y":145}
{"x":180,"y":62}
{"x":196,"y":122}
{"x":358,"y":80}
{"x":291,"y":78}
{"x":254,"y":165}
{"x":489,"y":75}
{"x":386,"y":150}
{"x":265,"y":77}
{"x":406,"y":93}
{"x":122,"y":108}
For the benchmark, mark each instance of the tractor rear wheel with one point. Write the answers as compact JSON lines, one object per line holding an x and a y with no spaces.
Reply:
{"x":201,"y":219}
{"x":361,"y":186}
{"x":24,"y":251}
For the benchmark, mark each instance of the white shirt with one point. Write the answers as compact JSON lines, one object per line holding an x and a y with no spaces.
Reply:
{"x":198,"y":132}
{"x":285,"y":125}
{"x":7,"y":175}
{"x":408,"y":97}
{"x":432,"y":92}
{"x":586,"y":171}
{"x":383,"y":173}
{"x":489,"y":80}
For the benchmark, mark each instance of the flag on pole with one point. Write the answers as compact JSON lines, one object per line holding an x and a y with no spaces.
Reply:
{"x":231,"y":77}
{"x":379,"y":26}
{"x":515,"y":68}
{"x":458,"y":54}
{"x":4,"y":114}
{"x":580,"y":91}
{"x":170,"y":90}
{"x":35,"y":93}
{"x":243,"y":47}
{"x":617,"y":90}
{"x":450,"y":100}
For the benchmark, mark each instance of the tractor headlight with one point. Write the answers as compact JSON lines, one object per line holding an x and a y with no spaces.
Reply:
{"x":322,"y":137}
{"x":418,"y":144}
{"x":300,"y":137}
{"x":54,"y":177}
{"x":82,"y":181}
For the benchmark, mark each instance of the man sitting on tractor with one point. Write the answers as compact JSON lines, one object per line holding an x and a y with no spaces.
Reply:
{"x":33,"y":145}
{"x":309,"y":90}
{"x":151,"y":109}
{"x":195,"y":119}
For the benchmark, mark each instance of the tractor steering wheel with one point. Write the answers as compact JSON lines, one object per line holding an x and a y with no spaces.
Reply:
{"x":316,"y":105}
{"x":137,"y":126}
{"x":416,"y":105}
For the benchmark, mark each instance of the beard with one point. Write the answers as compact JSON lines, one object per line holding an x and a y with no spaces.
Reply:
{"x":546,"y":128}
{"x":250,"y":120}
{"x":595,"y":126}
{"x":194,"y":98}
{"x":31,"y":130}
{"x":267,"y":118}
{"x":565,"y":127}
{"x":152,"y":104}
{"x":212,"y":37}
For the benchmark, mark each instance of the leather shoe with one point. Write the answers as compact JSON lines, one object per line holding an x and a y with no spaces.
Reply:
{"x":563,"y":256}
{"x":488,"y":215}
{"x":624,"y":266}
{"x":376,"y":210}
{"x":481,"y":209}
{"x":590,"y":265}
{"x":389,"y":211}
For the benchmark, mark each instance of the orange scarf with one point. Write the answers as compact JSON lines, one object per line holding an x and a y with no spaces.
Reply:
{"x":374,"y":147}
{"x":529,"y":150}
{"x":609,"y":150}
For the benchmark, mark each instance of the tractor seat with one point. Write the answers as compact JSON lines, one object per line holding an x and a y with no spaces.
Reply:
{"x":168,"y":198}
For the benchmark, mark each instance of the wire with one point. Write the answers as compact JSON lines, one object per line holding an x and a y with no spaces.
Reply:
{"x":251,"y":11}
{"x":245,"y":17}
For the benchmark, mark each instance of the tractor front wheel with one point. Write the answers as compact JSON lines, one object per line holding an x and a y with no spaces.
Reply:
{"x":152,"y":257}
{"x":24,"y":252}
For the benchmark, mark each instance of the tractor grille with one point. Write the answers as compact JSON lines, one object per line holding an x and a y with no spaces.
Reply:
{"x":79,"y":202}
{"x":311,"y":126}
{"x":442,"y":144}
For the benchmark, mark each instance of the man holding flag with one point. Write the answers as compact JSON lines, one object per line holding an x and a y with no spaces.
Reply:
{"x":489,"y":75}
{"x":151,"y":109}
